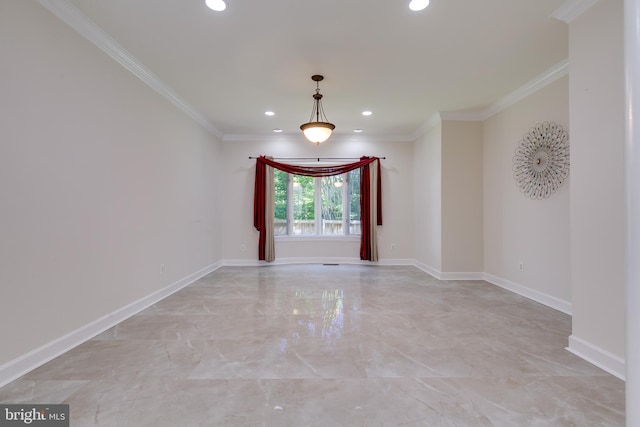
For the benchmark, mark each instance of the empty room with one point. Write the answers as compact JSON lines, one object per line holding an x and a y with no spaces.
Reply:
{"x":302,"y":213}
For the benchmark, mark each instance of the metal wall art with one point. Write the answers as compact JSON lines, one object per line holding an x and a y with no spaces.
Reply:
{"x":541,"y":163}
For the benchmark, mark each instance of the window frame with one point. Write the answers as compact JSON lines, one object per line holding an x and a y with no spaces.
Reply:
{"x":346,"y":213}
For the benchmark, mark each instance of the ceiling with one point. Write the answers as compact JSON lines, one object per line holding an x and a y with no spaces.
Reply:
{"x":228,"y":68}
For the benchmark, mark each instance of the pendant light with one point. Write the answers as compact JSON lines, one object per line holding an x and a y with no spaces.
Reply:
{"x":319,"y":130}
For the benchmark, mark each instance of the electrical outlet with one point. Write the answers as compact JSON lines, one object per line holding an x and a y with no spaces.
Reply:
{"x":243,"y":247}
{"x":161,"y":268}
{"x":521,"y":265}
{"x":393,"y":247}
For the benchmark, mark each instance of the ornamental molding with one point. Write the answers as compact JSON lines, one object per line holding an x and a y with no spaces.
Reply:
{"x":74,"y":18}
{"x":559,"y":70}
{"x":549,"y":76}
{"x":572,"y":9}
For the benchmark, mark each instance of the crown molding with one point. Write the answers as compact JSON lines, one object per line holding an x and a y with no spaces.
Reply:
{"x":437,"y":118}
{"x":462,"y":116}
{"x":433,"y":121}
{"x":571,"y":9}
{"x":73,"y":17}
{"x":559,"y":70}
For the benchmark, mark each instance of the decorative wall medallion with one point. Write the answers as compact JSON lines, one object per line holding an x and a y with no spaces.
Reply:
{"x":541,"y":163}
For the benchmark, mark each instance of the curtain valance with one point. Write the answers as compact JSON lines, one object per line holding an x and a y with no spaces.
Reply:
{"x":315,"y":171}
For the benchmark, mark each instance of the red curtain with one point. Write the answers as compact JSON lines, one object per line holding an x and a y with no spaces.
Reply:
{"x":319,"y":171}
{"x":258,"y":207}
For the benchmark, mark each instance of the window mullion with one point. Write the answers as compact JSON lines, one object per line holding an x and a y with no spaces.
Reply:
{"x":289,"y":204}
{"x":318,"y":205}
{"x":346,"y":205}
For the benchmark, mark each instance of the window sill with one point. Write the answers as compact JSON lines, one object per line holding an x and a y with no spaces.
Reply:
{"x":316,"y":238}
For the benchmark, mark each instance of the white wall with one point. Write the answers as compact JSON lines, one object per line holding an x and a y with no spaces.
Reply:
{"x":597,"y":184}
{"x":397,"y":190}
{"x":427,"y":197}
{"x":448,"y":199}
{"x":462,"y":197}
{"x":101,"y":182}
{"x":517,"y":228}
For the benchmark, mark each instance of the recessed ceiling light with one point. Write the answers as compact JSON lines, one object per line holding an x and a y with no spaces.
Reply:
{"x":357,"y":130}
{"x":417,"y":5}
{"x":277,"y":130}
{"x":269,"y":113}
{"x":367,"y":113}
{"x":217,"y":5}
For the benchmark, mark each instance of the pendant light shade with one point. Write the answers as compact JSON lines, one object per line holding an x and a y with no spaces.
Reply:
{"x":319,"y":130}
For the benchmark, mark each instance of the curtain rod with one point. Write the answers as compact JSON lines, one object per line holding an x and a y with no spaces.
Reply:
{"x":316,"y":158}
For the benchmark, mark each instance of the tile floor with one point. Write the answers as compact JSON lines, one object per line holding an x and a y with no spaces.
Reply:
{"x":330,"y":346}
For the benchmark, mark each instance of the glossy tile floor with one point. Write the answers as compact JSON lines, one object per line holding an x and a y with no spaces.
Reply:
{"x":330,"y":346}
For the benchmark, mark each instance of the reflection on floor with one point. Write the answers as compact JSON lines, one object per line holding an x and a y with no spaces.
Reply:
{"x":330,"y":346}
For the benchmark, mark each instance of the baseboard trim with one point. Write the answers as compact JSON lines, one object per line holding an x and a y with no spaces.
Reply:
{"x":428,"y":269}
{"x":532,"y":294}
{"x":604,"y":360}
{"x":461,"y":276}
{"x":447,"y":275}
{"x":21,"y":365}
{"x":314,"y":260}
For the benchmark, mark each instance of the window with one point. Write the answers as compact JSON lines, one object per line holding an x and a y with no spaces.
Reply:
{"x":309,"y":206}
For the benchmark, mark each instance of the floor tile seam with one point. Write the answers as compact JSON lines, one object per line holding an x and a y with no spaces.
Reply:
{"x":347,"y":341}
{"x":342,"y":378}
